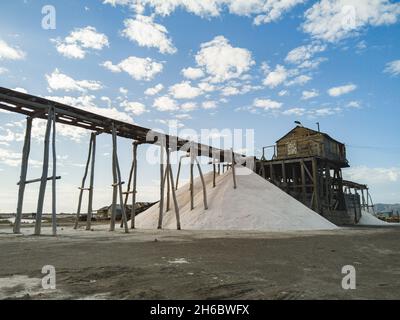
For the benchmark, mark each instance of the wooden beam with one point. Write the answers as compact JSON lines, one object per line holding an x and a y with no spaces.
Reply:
{"x":82,"y":188}
{"x":204,"y":185}
{"x":24,"y":169}
{"x":45,"y":169}
{"x":162,"y":183}
{"x":91,"y":184}
{"x":54,"y":179}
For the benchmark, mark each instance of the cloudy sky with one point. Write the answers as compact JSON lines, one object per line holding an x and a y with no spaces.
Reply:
{"x":203,"y":64}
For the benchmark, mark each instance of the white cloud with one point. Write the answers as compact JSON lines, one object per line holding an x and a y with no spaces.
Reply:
{"x":60,"y":81}
{"x":138,"y":68}
{"x":123,"y":91}
{"x":338,"y":91}
{"x":230,"y":91}
{"x":334,"y":20}
{"x":77,"y":43}
{"x":136,"y":108}
{"x":189,"y":106}
{"x":276,"y":77}
{"x":304,"y":53}
{"x":283,"y":93}
{"x":87,"y":102}
{"x":309,"y":94}
{"x":222,"y":61}
{"x":300,"y":80}
{"x":146,"y":33}
{"x":193,"y":73}
{"x":165,"y":103}
{"x":294,"y":112}
{"x":271,"y":10}
{"x":184,"y":90}
{"x":368,"y":175}
{"x":263,"y":11}
{"x":3,"y":70}
{"x":206,"y":87}
{"x":10,"y":53}
{"x":209,"y":104}
{"x":393,"y":67}
{"x":354,"y":104}
{"x":154,"y":90}
{"x":267,"y":104}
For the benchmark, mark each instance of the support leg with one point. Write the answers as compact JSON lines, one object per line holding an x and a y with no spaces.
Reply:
{"x":53,"y":185}
{"x":115,"y":183}
{"x":178,"y":220}
{"x":204,"y":185}
{"x":78,"y":212}
{"x":45,"y":171}
{"x":24,"y":170}
{"x":162,"y":183}
{"x":233,"y":170}
{"x":91,"y":186}
{"x":133,"y":212}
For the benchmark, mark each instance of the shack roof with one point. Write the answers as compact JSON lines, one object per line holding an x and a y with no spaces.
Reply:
{"x":312,"y":132}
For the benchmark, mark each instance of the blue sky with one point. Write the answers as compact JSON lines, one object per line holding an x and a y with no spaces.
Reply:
{"x":223,"y":64}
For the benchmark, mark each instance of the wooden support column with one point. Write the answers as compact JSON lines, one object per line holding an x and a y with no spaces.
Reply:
{"x":117,"y":185}
{"x":114,"y":185}
{"x":214,"y":174}
{"x":54,"y":178}
{"x":91,"y":184}
{"x":204,"y":185}
{"x":303,"y":182}
{"x":233,"y":169}
{"x":192,"y":157}
{"x":162,"y":183}
{"x":45,"y":170}
{"x":78,"y":211}
{"x":285,"y":184}
{"x":171,"y":177}
{"x":316,"y":185}
{"x":133,"y":212}
{"x":24,"y":170}
{"x":168,"y":186}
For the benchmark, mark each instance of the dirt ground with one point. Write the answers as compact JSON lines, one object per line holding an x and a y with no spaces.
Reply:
{"x":201,"y":265}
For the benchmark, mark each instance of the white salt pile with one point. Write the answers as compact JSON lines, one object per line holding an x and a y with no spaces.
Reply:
{"x":368,"y":219}
{"x":256,"y":204}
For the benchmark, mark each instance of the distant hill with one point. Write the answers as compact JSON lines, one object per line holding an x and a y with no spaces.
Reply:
{"x":382,"y":207}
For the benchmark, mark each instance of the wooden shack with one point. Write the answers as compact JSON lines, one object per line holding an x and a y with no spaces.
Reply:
{"x":307,"y":164}
{"x":303,"y":142}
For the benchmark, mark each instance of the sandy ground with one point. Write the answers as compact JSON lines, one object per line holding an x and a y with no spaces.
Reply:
{"x":201,"y":264}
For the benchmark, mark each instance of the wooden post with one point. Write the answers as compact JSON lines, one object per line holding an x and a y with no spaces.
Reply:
{"x":54,"y":179}
{"x":285,"y":184}
{"x":118,"y":180}
{"x":128,"y":190}
{"x":179,"y":171}
{"x":219,"y":168}
{"x":133,"y":212}
{"x":162,"y":180}
{"x":316,"y":185}
{"x":91,"y":184}
{"x":168,"y":184}
{"x":115,"y":183}
{"x":233,"y":170}
{"x":78,"y":212}
{"x":24,"y":170}
{"x":171,"y":177}
{"x":204,"y":185}
{"x":214,"y":174}
{"x":191,"y":176}
{"x":45,"y":171}
{"x":303,"y":182}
